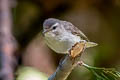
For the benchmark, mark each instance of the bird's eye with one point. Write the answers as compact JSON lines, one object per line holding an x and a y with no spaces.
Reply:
{"x":54,"y":27}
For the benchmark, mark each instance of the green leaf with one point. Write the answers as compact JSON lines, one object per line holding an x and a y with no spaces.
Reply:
{"x":30,"y":73}
{"x":103,"y":73}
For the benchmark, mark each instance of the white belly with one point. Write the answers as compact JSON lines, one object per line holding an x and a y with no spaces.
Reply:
{"x":61,"y":44}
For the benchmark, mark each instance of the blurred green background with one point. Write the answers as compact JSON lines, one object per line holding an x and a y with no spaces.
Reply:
{"x":98,"y":19}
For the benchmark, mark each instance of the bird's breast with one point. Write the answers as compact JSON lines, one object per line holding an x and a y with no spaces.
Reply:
{"x":61,"y":43}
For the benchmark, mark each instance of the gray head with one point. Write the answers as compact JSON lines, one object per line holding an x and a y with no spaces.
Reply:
{"x":50,"y":22}
{"x":53,"y":25}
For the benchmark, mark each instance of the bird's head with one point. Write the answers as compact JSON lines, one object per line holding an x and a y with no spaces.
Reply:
{"x":52,"y":26}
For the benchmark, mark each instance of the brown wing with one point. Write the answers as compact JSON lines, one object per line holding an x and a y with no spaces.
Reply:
{"x":74,"y":30}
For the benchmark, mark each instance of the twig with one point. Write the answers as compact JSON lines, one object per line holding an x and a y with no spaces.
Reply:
{"x":69,"y":63}
{"x":7,"y":41}
{"x":102,"y":73}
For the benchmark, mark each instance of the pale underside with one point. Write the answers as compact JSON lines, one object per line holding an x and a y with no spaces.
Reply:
{"x":60,"y":43}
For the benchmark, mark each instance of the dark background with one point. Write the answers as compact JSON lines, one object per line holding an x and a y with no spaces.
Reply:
{"x":98,"y":19}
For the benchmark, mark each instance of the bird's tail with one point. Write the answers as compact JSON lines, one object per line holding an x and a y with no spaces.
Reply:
{"x":90,"y":44}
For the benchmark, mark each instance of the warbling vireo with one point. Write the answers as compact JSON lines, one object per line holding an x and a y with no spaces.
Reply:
{"x":61,"y":35}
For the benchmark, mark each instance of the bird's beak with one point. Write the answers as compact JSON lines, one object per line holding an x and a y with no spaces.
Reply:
{"x":45,"y":31}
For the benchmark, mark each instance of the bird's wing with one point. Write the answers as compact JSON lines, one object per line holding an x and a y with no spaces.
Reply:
{"x":74,"y":30}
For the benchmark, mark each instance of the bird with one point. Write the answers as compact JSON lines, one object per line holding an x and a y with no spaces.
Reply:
{"x":62,"y":35}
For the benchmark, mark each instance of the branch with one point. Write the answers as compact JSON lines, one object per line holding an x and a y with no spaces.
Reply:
{"x":102,"y":73}
{"x":69,"y":63}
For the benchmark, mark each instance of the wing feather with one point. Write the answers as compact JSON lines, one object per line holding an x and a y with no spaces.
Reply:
{"x":74,"y":30}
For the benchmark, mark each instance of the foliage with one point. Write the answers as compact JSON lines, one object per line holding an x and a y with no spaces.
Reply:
{"x":103,"y":73}
{"x":29,"y":73}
